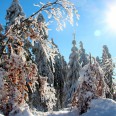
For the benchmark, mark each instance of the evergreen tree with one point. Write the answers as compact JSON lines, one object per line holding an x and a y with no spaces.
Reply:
{"x":98,"y":60}
{"x":60,"y":73}
{"x":108,"y":67}
{"x":43,"y":63}
{"x":44,"y":60}
{"x":13,"y":12}
{"x":44,"y":98}
{"x":73,"y":73}
{"x":82,"y":55}
{"x":2,"y":39}
{"x":91,"y":85}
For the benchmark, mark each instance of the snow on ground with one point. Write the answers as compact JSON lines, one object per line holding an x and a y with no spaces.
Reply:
{"x":98,"y":107}
{"x":1,"y":114}
{"x":65,"y":112}
{"x":102,"y":107}
{"x":26,"y":112}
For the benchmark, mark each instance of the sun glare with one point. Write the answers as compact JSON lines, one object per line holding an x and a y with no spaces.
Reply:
{"x":111,"y":17}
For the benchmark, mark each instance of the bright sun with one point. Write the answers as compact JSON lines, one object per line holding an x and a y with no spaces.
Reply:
{"x":111,"y":17}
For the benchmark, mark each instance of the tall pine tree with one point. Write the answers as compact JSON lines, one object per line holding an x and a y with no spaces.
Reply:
{"x":13,"y":12}
{"x":60,"y":67}
{"x":98,"y":60}
{"x":73,"y":73}
{"x":108,"y":67}
{"x":44,"y":61}
{"x":82,"y":55}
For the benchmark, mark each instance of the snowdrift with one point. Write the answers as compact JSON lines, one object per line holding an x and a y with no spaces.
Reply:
{"x":98,"y":107}
{"x":102,"y":107}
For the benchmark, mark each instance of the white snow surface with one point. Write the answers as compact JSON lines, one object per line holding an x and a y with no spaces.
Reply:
{"x":102,"y":107}
{"x":26,"y":112}
{"x":98,"y":107}
{"x":65,"y":112}
{"x":1,"y":114}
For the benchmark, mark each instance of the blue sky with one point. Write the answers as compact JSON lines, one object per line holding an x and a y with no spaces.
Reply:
{"x":92,"y":30}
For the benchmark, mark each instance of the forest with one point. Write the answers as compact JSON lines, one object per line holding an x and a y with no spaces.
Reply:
{"x":36,"y":79}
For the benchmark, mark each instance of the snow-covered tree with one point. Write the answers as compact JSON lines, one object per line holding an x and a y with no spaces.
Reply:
{"x":42,"y":62}
{"x":44,"y":58}
{"x":42,"y":52}
{"x":60,"y":74}
{"x":108,"y":67}
{"x":73,"y":73}
{"x":99,"y":60}
{"x":54,"y":70}
{"x":82,"y":55}
{"x":13,"y":12}
{"x":59,"y":80}
{"x":43,"y":101}
{"x":46,"y":96}
{"x":2,"y":38}
{"x":91,"y":85}
{"x":14,"y":76}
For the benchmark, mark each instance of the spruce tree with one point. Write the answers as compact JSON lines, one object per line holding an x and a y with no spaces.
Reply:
{"x":99,"y":60}
{"x":44,"y":61}
{"x":14,"y":11}
{"x":60,"y":73}
{"x":82,"y":55}
{"x":108,"y":67}
{"x":2,"y":39}
{"x":73,"y":73}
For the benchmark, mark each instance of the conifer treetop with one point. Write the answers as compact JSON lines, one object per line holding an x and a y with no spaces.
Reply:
{"x":74,"y":48}
{"x":40,"y":18}
{"x":15,"y":0}
{"x":106,"y":53}
{"x":81,"y":45}
{"x":14,"y":11}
